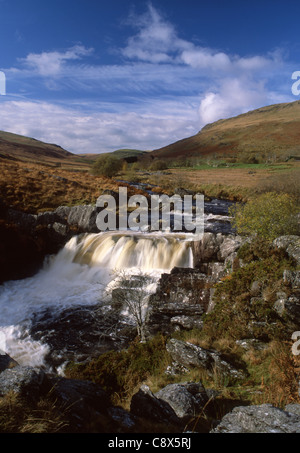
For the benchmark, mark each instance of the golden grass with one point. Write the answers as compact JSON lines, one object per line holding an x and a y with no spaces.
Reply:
{"x":35,"y":188}
{"x":44,"y":416}
{"x":237,"y":184}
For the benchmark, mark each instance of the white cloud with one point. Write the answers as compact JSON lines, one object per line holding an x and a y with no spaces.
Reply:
{"x":234,"y":96}
{"x":51,"y":63}
{"x":96,"y":132}
{"x":156,"y":40}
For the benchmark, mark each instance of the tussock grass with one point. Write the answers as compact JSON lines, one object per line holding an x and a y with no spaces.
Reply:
{"x":18,"y":416}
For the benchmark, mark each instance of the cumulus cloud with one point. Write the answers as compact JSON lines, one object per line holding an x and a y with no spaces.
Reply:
{"x":51,"y":63}
{"x":97,"y":132}
{"x":233,"y":96}
{"x":156,"y":40}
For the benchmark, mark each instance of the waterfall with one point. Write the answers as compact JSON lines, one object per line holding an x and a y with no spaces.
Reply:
{"x":146,"y":252}
{"x":78,"y":276}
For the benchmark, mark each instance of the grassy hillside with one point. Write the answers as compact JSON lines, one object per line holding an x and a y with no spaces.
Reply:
{"x":15,"y":147}
{"x":270,"y":133}
{"x":128,"y":154}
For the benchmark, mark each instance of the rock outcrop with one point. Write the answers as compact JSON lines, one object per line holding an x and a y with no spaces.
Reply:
{"x":260,"y":419}
{"x":186,"y":355}
{"x":180,"y":300}
{"x":287,"y":304}
{"x":291,"y":244}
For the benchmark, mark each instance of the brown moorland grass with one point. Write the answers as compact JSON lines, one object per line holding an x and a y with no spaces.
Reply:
{"x":35,"y":188}
{"x":233,"y":183}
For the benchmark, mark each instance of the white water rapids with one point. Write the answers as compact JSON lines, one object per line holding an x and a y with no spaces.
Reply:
{"x":78,"y":276}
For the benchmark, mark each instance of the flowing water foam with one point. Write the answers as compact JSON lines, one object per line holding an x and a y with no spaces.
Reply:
{"x":79,"y":275}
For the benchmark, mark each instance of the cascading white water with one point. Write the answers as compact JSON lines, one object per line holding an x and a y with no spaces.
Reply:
{"x":78,"y":276}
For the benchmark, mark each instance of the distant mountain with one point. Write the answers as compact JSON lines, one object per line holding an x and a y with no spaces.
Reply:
{"x":18,"y":147}
{"x":271,"y":130}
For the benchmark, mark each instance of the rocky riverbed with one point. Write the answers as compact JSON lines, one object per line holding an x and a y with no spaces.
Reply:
{"x":180,"y":300}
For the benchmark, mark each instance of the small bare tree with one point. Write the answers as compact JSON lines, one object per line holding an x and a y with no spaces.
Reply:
{"x":130,"y":293}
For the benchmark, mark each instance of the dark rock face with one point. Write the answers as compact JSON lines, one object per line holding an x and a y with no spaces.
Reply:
{"x":182,"y":297}
{"x":259,"y":419}
{"x":26,"y":238}
{"x":145,"y":405}
{"x":6,"y":362}
{"x":79,"y":333}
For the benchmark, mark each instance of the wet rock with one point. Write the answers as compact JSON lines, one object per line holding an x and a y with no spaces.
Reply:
{"x":6,"y":361}
{"x":62,"y":212}
{"x":259,"y":419}
{"x":207,"y":249}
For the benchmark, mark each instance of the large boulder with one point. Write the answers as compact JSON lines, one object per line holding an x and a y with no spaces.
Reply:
{"x":84,"y":218}
{"x":188,"y":355}
{"x":291,"y":244}
{"x":186,"y":399}
{"x":145,"y":405}
{"x":27,"y":382}
{"x":259,"y":419}
{"x":216,"y":248}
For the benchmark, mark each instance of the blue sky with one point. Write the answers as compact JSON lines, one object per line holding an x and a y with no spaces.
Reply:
{"x":95,"y":76}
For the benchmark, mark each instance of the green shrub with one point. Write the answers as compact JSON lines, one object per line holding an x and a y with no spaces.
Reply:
{"x":107,"y":166}
{"x":236,"y":310}
{"x":158,"y":165}
{"x":269,"y":215}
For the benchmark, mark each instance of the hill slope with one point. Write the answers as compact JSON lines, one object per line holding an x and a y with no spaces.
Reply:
{"x":271,"y":130}
{"x":18,"y":147}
